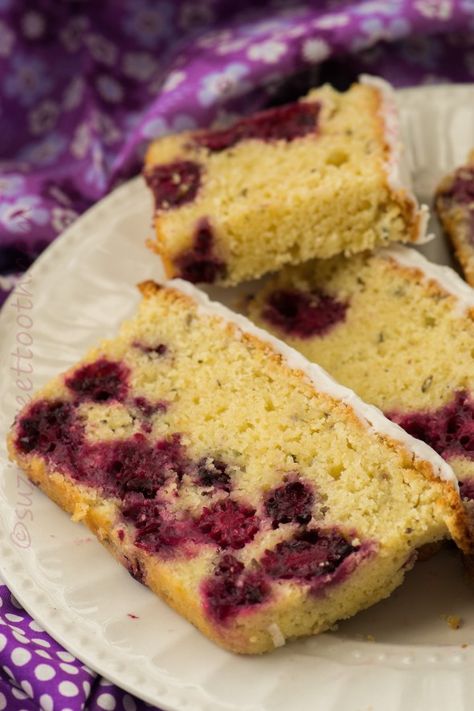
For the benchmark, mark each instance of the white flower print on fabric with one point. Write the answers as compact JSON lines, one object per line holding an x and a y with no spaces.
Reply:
{"x":73,"y":94}
{"x":435,"y":9}
{"x":19,"y":216}
{"x":101,"y":49}
{"x":328,"y":22}
{"x":82,"y":140}
{"x":380,"y":7}
{"x":11,"y":185}
{"x":21,"y":166}
{"x":293,"y":11}
{"x":129,"y":122}
{"x":157,"y":126}
{"x":43,"y":118}
{"x":193,"y":14}
{"x":232,"y":45}
{"x":173,"y":80}
{"x":315,"y":50}
{"x":7,"y":39}
{"x":29,"y":80}
{"x":423,"y":51}
{"x":57,"y":194}
{"x":183,"y":122}
{"x":139,"y":65}
{"x":62,"y":217}
{"x":269,"y":51}
{"x":398,"y":28}
{"x":148,"y":21}
{"x":376,"y":30}
{"x":228,"y":83}
{"x":46,"y":151}
{"x":468,"y":7}
{"x":109,"y":131}
{"x":72,"y":35}
{"x":109,"y":88}
{"x":263,"y":27}
{"x":95,"y":174}
{"x":33,"y":25}
{"x":297,"y":31}
{"x":212,"y":39}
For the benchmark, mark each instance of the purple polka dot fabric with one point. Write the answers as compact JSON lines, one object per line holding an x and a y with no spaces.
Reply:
{"x":37,"y":673}
{"x":84,"y":86}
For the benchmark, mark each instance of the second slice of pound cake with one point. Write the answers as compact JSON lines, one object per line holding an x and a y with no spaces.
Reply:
{"x":310,"y":179}
{"x":259,"y":498}
{"x":397,"y":329}
{"x":454,"y":204}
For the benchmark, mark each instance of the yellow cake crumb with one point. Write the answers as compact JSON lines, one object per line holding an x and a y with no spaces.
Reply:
{"x":408,"y":370}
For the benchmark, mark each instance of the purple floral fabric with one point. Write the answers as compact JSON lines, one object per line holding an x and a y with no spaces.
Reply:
{"x":84,"y":86}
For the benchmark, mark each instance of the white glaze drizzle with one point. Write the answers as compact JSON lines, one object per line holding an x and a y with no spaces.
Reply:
{"x":368,"y":414}
{"x":276,"y":634}
{"x":444,"y":276}
{"x":396,"y":167}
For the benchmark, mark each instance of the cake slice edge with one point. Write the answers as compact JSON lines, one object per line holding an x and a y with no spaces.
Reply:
{"x":454,"y":221}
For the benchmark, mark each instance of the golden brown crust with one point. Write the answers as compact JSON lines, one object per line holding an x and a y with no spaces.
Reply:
{"x":149,"y":288}
{"x":400,"y":196}
{"x":454,"y":224}
{"x":161,"y":249}
{"x":433,"y":287}
{"x":156,"y":245}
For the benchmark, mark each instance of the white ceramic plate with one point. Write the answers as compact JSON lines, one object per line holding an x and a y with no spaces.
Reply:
{"x":398,"y":656}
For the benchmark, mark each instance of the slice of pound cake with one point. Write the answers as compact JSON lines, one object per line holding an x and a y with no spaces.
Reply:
{"x":256,"y":496}
{"x":310,"y":179}
{"x":454,"y":204}
{"x":395,"y":328}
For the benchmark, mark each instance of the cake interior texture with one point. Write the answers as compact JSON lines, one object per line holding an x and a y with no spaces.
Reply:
{"x":216,"y":190}
{"x":391,"y":332}
{"x":454,"y":205}
{"x":256,"y":505}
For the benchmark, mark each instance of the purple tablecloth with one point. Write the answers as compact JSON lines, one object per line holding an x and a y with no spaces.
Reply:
{"x":85,"y":85}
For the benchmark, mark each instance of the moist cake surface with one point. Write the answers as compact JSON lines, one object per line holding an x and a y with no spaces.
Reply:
{"x":309,"y":179}
{"x":454,"y":205}
{"x":396,"y":329}
{"x":259,"y":498}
